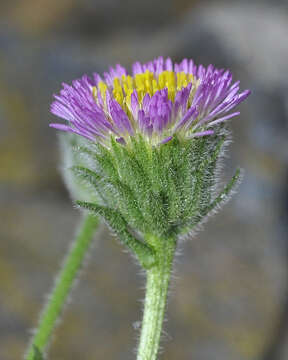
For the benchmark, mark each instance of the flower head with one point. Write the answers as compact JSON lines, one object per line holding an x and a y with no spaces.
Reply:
{"x":159,"y":100}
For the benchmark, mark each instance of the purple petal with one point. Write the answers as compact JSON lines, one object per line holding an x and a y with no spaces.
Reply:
{"x":188,"y":118}
{"x":217,"y":121}
{"x":71,"y":130}
{"x":134,"y":103}
{"x":201,"y":133}
{"x":156,"y":115}
{"x":167,"y":139}
{"x":120,"y":118}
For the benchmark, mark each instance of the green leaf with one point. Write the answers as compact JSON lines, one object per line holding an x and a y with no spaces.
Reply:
{"x":115,"y":220}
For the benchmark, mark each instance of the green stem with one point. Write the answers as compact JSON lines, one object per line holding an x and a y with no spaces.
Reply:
{"x":158,"y":279}
{"x":63,"y":286}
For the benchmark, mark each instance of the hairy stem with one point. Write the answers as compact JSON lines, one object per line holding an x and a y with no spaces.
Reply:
{"x":158,"y":278}
{"x":63,"y":286}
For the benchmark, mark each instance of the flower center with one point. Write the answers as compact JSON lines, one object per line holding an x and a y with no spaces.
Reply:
{"x":144,"y":83}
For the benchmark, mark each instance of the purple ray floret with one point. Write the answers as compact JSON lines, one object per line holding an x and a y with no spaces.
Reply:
{"x":159,"y":100}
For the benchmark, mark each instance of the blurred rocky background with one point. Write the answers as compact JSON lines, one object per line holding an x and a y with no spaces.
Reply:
{"x":229,"y":298}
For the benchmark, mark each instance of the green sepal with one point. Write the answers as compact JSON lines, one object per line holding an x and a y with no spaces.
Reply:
{"x":163,"y":190}
{"x":102,"y":158}
{"x":188,"y":176}
{"x":72,"y":156}
{"x":220,"y":200}
{"x":207,"y":176}
{"x":86,"y":174}
{"x":130,"y":162}
{"x":90,"y":178}
{"x":225,"y":194}
{"x":115,"y":220}
{"x":127,"y":201}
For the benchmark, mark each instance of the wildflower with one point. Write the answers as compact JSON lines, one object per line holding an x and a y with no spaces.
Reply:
{"x":159,"y":100}
{"x":141,"y":187}
{"x":150,"y":196}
